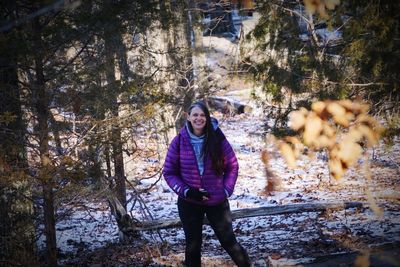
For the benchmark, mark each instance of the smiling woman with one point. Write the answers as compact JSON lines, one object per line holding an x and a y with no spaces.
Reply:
{"x":197,"y":120}
{"x":202,"y":169}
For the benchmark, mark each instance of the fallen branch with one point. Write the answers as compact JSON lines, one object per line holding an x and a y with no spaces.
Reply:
{"x":227,"y":105}
{"x":252,"y":212}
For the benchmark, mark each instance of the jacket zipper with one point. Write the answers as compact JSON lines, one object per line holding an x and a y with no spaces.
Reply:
{"x":197,"y":164}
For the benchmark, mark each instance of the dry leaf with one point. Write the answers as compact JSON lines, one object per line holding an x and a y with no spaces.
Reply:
{"x":318,"y":107}
{"x":371,"y":136}
{"x":367,"y":120}
{"x":373,"y":205}
{"x":362,"y":260}
{"x":341,"y":120}
{"x":349,"y":152}
{"x":313,"y":6}
{"x":336,"y":110}
{"x":288,"y":154}
{"x":292,"y":139}
{"x":297,"y":120}
{"x":330,"y":4}
{"x":328,"y":130}
{"x":354,"y":107}
{"x":46,"y":161}
{"x":324,"y":141}
{"x":273,"y":183}
{"x":313,"y":128}
{"x":323,"y":125}
{"x":265,"y":157}
{"x":354,"y":135}
{"x":336,"y":169}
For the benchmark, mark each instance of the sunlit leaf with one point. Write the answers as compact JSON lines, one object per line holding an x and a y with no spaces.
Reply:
{"x":265,"y":157}
{"x":335,"y":109}
{"x":336,"y":169}
{"x":288,"y":154}
{"x":318,"y":107}
{"x":296,"y":120}
{"x":313,"y":128}
{"x":349,"y":152}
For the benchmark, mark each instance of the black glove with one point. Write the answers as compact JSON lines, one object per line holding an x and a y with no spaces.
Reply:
{"x":197,"y":194}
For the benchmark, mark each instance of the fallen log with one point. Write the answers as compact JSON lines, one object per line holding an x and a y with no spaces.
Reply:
{"x":252,"y":212}
{"x":227,"y":105}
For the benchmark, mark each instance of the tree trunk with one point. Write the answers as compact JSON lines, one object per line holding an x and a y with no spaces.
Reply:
{"x":116,"y":138}
{"x":251,"y":212}
{"x":181,"y":35}
{"x":41,"y":105}
{"x":17,"y":245}
{"x":119,"y":166}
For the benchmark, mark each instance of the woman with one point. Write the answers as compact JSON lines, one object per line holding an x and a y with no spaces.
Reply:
{"x":201,"y":168}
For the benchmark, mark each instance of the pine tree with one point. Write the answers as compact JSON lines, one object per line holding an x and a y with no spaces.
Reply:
{"x":358,"y":59}
{"x":17,"y":245}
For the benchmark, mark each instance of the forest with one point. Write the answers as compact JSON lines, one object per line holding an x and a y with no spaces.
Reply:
{"x":93,"y":92}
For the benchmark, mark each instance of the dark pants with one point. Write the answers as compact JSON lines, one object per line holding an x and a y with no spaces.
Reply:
{"x":220,"y":219}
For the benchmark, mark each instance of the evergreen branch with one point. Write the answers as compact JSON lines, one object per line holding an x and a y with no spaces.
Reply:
{"x":59,"y":5}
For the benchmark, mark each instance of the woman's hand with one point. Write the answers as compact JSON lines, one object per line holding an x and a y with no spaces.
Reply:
{"x":197,"y":194}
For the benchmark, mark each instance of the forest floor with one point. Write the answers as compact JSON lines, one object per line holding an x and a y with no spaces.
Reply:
{"x":90,"y":236}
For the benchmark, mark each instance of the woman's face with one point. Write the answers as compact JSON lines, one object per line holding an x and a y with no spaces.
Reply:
{"x":198,"y":120}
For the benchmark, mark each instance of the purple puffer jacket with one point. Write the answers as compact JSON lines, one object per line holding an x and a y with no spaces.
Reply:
{"x":181,"y":172}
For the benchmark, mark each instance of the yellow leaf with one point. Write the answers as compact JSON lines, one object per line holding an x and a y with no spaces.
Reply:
{"x":313,"y":128}
{"x":362,"y":260}
{"x":46,"y":161}
{"x":296,"y":120}
{"x":265,"y":157}
{"x":347,"y":104}
{"x":318,"y":107}
{"x":273,"y":183}
{"x":324,"y":141}
{"x":330,"y":4}
{"x":312,"y":5}
{"x":368,"y":120}
{"x":335,"y":109}
{"x":341,"y":120}
{"x":336,"y":169}
{"x":322,"y":11}
{"x":349,"y":152}
{"x":328,"y":130}
{"x":288,"y":154}
{"x":354,"y":135}
{"x":360,"y":107}
{"x":304,"y":111}
{"x":354,"y":107}
{"x":373,"y":205}
{"x":292,"y":139}
{"x":371,"y":136}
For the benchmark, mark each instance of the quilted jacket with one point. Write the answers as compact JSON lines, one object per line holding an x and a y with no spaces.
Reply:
{"x":181,"y":172}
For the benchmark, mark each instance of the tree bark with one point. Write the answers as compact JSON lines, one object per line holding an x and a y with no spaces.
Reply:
{"x":179,"y":37}
{"x":116,"y":138}
{"x":17,"y":246}
{"x":251,"y":212}
{"x":41,"y":104}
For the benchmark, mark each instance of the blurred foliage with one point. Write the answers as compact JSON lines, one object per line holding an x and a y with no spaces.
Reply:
{"x":342,"y":128}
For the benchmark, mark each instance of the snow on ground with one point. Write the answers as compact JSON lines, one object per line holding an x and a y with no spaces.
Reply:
{"x":284,"y":238}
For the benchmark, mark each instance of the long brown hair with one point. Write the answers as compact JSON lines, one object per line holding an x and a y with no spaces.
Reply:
{"x":213,"y":139}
